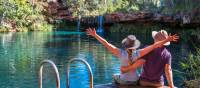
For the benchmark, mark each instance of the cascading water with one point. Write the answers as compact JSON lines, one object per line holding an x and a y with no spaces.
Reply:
{"x":3,"y":16}
{"x":78,"y":23}
{"x":100,"y":24}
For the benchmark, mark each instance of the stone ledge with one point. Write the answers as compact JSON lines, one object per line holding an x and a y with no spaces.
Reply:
{"x":111,"y":85}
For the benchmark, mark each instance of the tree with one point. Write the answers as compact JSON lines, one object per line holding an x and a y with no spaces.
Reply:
{"x":21,"y":15}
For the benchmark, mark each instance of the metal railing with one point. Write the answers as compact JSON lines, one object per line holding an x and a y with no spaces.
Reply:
{"x":55,"y":69}
{"x":88,"y":67}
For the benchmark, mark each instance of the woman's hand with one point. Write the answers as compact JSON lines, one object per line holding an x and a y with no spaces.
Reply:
{"x":173,"y":38}
{"x":91,"y":31}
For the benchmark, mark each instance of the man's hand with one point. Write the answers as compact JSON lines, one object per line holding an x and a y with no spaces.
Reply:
{"x":124,"y":69}
{"x":91,"y":31}
{"x":134,"y":66}
{"x":173,"y":38}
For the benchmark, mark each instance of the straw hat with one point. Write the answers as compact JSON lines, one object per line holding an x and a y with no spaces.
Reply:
{"x":131,"y":42}
{"x":160,"y":35}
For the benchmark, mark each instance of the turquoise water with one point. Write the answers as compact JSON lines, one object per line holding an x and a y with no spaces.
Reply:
{"x":21,"y":54}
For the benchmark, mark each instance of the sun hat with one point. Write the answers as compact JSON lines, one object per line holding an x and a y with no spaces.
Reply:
{"x":160,"y":35}
{"x":131,"y":42}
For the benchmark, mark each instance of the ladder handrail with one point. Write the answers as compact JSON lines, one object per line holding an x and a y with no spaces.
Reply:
{"x":55,"y":69}
{"x":88,"y":67}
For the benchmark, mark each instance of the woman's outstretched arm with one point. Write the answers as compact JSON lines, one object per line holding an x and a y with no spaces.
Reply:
{"x":114,"y":50}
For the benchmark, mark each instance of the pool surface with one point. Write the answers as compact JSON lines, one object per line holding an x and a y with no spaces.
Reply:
{"x":21,"y":54}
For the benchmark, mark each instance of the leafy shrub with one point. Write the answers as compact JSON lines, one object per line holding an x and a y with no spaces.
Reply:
{"x":191,"y":66}
{"x":23,"y":15}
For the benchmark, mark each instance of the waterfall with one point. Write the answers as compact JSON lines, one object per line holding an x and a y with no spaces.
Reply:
{"x":78,"y":23}
{"x":100,"y":24}
{"x":2,"y":18}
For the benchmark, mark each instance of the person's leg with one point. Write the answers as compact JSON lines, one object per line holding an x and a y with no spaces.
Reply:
{"x":116,"y":78}
{"x":145,"y":83}
{"x":120,"y":81}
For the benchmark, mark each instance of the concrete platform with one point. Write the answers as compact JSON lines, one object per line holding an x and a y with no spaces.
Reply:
{"x":111,"y":85}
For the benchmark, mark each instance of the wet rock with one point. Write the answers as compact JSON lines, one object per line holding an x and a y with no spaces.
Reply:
{"x":108,"y":18}
{"x":157,"y":17}
{"x":177,"y":18}
{"x":186,"y":19}
{"x":52,"y":7}
{"x":168,"y":19}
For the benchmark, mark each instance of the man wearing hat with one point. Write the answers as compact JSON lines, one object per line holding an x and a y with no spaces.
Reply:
{"x":155,"y":64}
{"x":129,"y":54}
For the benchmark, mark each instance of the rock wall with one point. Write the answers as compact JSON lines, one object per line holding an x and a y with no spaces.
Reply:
{"x":58,"y":11}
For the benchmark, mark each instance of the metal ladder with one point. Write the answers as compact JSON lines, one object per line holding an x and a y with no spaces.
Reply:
{"x":55,"y":69}
{"x":88,"y":67}
{"x":68,"y":72}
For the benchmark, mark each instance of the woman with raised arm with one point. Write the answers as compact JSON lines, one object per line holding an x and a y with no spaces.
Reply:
{"x":129,"y":54}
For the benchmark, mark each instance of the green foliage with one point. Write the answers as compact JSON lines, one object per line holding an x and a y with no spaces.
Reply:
{"x":25,"y":15}
{"x":95,"y":7}
{"x":99,"y":7}
{"x":191,"y":66}
{"x":22,"y":15}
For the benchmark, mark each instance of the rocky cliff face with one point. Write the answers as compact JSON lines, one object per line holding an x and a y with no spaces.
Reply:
{"x":57,"y":11}
{"x":180,"y":19}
